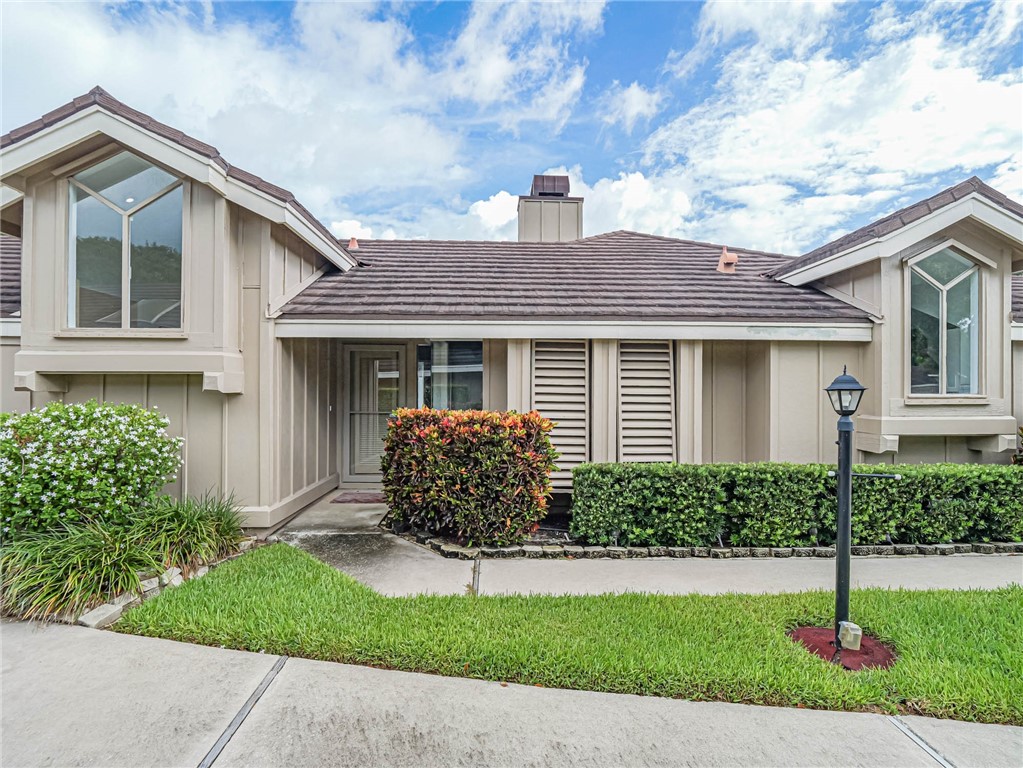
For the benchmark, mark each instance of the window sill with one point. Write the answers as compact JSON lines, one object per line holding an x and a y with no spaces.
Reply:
{"x":946,"y":400}
{"x":94,"y":333}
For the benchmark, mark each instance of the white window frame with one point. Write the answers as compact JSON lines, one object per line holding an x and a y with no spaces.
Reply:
{"x":911,"y":268}
{"x":125,"y":329}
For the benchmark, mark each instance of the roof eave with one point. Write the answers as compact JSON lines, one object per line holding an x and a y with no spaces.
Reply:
{"x":611,"y":328}
{"x":974,"y":205}
{"x":93,"y":120}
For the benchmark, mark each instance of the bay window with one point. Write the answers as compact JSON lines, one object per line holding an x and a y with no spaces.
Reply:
{"x":124,"y":250}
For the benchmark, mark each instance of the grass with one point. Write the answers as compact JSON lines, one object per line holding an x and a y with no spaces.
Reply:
{"x":959,"y":653}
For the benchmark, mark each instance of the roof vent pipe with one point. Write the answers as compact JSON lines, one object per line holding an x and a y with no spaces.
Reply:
{"x":353,"y":244}
{"x":727,"y":262}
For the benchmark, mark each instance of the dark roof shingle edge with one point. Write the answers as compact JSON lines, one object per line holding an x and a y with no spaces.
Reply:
{"x":901,"y":218}
{"x":100,"y":98}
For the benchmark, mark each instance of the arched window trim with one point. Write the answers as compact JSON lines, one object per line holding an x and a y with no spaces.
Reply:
{"x":911,"y":264}
{"x":92,"y":160}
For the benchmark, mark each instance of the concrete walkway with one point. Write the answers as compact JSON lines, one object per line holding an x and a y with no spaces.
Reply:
{"x":347,"y":536}
{"x":78,"y":697}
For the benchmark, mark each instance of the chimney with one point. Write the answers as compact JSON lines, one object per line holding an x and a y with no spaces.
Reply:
{"x":547,"y":214}
{"x":727,"y":261}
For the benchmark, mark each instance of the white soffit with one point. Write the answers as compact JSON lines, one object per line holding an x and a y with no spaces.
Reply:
{"x":95,"y":121}
{"x":974,"y":206}
{"x":9,"y":196}
{"x":517,"y":329}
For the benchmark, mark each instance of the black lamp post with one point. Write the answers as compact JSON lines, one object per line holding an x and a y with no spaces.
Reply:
{"x":845,"y":393}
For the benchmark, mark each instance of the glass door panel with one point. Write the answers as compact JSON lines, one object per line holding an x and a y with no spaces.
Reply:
{"x":375,"y":391}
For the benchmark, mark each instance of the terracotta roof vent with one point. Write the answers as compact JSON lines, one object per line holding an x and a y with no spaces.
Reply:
{"x":727,"y":262}
{"x":353,"y":244}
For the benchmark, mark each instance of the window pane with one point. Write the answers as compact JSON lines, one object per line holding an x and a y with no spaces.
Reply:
{"x":95,"y":264}
{"x":455,"y":375}
{"x":945,"y":266}
{"x":962,"y":341}
{"x":925,"y":337}
{"x":125,"y":180}
{"x":156,"y":263}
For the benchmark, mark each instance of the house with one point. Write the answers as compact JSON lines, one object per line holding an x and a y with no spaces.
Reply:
{"x":153,"y":271}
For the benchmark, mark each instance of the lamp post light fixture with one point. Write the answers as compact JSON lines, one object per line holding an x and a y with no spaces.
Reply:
{"x":845,"y":393}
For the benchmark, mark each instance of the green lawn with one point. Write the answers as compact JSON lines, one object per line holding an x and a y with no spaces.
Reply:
{"x":960,"y":654}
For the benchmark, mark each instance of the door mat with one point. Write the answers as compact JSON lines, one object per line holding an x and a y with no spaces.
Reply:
{"x":359,"y":497}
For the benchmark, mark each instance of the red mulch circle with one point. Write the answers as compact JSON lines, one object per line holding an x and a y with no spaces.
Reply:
{"x":820,"y":641}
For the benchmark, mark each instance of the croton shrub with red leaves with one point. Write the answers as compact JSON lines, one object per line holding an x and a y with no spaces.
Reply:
{"x":480,"y":477}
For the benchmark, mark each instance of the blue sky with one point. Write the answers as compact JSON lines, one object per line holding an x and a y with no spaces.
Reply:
{"x":767,"y":125}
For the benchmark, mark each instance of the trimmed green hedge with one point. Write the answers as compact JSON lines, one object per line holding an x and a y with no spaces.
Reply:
{"x":791,"y":505}
{"x":481,"y":477}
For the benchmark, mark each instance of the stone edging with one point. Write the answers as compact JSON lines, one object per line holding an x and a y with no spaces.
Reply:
{"x":104,"y":615}
{"x":575,"y":552}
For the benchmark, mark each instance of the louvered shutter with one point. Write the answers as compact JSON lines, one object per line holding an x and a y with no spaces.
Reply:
{"x":646,"y":401}
{"x":561,"y":393}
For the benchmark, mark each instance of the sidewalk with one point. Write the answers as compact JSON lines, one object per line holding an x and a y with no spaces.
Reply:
{"x":73,"y":696}
{"x":347,"y":537}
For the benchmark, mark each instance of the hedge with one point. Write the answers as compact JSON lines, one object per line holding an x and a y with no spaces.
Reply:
{"x":790,"y":505}
{"x":480,"y":477}
{"x":65,"y":463}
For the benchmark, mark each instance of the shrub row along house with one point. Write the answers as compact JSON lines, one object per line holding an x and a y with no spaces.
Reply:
{"x":153,"y":271}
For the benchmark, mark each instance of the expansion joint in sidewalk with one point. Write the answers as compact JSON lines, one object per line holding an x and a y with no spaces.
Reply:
{"x":239,"y":718}
{"x":919,"y":741}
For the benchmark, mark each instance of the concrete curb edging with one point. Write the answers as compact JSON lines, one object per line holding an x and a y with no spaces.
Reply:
{"x":450,"y":549}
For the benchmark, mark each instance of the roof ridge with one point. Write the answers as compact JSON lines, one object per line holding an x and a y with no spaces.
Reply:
{"x":570,"y":243}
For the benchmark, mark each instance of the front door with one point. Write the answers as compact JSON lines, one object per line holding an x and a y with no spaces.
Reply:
{"x":375,"y":390}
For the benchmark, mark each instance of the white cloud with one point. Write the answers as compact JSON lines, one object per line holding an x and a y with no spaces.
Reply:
{"x":852,"y":134}
{"x":794,"y":139}
{"x":497,"y":212}
{"x":336,"y":102}
{"x":795,"y":25}
{"x":626,"y":106}
{"x":348,"y":228}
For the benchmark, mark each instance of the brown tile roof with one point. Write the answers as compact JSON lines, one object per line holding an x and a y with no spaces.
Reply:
{"x":900,"y":219}
{"x":10,"y":276}
{"x":616,"y":276}
{"x":1017,"y":298}
{"x":100,"y":98}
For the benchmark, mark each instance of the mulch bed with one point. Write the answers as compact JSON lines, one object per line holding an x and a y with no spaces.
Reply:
{"x":873,"y":654}
{"x":359,"y":497}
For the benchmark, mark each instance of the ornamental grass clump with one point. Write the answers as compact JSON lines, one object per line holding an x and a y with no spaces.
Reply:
{"x":66,"y":571}
{"x":481,"y":477}
{"x":65,"y":463}
{"x":189,"y":532}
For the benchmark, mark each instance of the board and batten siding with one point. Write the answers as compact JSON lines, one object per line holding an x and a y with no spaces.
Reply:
{"x":205,"y":420}
{"x":306,"y":417}
{"x":561,"y":392}
{"x":646,"y":410}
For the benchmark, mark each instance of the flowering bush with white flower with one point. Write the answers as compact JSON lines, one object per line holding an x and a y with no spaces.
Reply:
{"x":64,"y":463}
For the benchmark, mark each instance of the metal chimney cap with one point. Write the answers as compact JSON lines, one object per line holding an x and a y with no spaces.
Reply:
{"x":549,"y":186}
